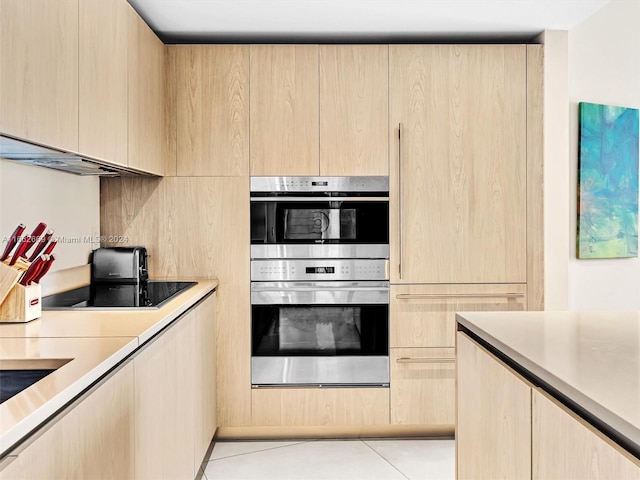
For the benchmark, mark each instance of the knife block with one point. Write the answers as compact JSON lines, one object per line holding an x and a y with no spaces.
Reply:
{"x":23,"y":304}
{"x":9,"y":277}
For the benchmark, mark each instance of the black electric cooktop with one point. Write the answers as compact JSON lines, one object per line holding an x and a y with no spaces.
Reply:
{"x":107,"y":296}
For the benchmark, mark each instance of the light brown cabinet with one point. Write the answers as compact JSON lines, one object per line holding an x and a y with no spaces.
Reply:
{"x":91,"y":439}
{"x":319,"y":110}
{"x":458,"y":137}
{"x":424,"y":315}
{"x":212,"y":102}
{"x":145,"y":97}
{"x":354,"y":106}
{"x":284,"y":110}
{"x":423,"y":387}
{"x":493,"y":416}
{"x":175,"y":378}
{"x":565,"y":446}
{"x":103,"y":79}
{"x":39,"y":74}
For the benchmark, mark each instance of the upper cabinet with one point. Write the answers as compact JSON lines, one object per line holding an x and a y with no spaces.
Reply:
{"x":354,"y":102}
{"x":458,"y":136}
{"x":85,"y":77}
{"x":212,"y":97}
{"x":319,"y":110}
{"x":103,"y":84}
{"x":146,"y":97}
{"x":39,"y":74}
{"x":284,"y":110}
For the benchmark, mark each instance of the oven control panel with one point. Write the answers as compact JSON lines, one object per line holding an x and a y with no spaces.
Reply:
{"x":321,"y":269}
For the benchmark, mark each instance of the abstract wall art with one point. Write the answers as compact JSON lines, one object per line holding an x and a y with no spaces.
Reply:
{"x":607,"y":182}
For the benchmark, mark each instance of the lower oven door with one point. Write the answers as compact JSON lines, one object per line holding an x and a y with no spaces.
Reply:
{"x":320,"y":333}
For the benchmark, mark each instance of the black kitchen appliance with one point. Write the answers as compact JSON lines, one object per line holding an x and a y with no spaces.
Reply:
{"x":119,"y":280}
{"x":119,"y":265}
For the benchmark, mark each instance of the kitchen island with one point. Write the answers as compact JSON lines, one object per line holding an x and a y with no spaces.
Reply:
{"x":104,"y":359}
{"x":548,"y":395}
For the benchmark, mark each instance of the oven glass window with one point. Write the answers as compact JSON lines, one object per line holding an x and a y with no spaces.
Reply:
{"x":319,"y":222}
{"x":279,"y":330}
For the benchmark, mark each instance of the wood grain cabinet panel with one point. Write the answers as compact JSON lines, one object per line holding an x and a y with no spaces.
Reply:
{"x":39,"y":74}
{"x":103,"y":80}
{"x":92,"y":440}
{"x":424,"y":315}
{"x":284,"y":110}
{"x":423,"y":386}
{"x":164,"y":405}
{"x":146,"y":121}
{"x":493,"y":417}
{"x":320,"y":406}
{"x":565,"y":446}
{"x":354,"y":105}
{"x":458,"y":177}
{"x":212,"y":110}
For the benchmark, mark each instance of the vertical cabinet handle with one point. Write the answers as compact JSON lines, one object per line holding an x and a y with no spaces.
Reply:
{"x":400,"y":199}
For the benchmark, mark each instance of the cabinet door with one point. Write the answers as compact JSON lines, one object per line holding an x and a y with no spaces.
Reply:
{"x":493,"y":417}
{"x":146,"y":97}
{"x":212,"y":110}
{"x":425,"y":315}
{"x":320,"y":406}
{"x":39,"y":74}
{"x":103,"y":80}
{"x":458,"y":143}
{"x":565,"y":446}
{"x":423,"y":386}
{"x":204,"y":372}
{"x":354,"y":105}
{"x":164,"y":401}
{"x":92,"y":440}
{"x":284,"y":110}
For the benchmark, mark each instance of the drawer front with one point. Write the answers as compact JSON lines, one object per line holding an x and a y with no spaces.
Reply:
{"x":424,"y":315}
{"x":423,"y":386}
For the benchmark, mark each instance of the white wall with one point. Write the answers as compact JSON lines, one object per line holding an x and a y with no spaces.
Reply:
{"x":69,"y":204}
{"x":604,"y":67}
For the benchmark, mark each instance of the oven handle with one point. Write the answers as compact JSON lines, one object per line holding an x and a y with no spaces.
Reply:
{"x":285,"y":199}
{"x":314,"y":295}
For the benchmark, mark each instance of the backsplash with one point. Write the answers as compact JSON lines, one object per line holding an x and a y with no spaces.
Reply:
{"x":69,"y":204}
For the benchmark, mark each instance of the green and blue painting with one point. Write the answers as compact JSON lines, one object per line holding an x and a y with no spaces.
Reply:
{"x":608,"y":182}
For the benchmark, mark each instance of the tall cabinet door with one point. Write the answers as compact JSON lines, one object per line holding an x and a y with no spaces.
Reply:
{"x":212,"y":102}
{"x":103,"y":80}
{"x":284,"y":110}
{"x":354,"y":105}
{"x":458,"y":176}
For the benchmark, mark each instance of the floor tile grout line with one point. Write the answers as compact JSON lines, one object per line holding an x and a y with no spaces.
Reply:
{"x":383,"y":458}
{"x":256,"y":451}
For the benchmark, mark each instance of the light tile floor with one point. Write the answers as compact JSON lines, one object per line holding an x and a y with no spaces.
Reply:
{"x":387,"y":459}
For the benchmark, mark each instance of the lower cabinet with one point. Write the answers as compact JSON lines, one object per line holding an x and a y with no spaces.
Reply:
{"x":507,"y":428}
{"x":175,"y":397}
{"x":493,"y":424}
{"x":423,"y":386}
{"x":153,"y":418}
{"x":320,"y":406}
{"x":565,"y":446}
{"x":92,"y":440}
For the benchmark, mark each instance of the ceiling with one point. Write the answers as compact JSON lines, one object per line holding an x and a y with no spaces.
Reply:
{"x":321,"y":21}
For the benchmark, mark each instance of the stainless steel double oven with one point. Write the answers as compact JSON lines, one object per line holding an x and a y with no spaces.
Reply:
{"x":320,"y":281}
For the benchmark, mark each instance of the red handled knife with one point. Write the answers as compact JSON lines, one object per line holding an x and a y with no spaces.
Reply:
{"x":33,"y":270}
{"x":41,"y":244}
{"x":13,"y":240}
{"x":25,"y":245}
{"x":43,"y":271}
{"x":50,"y":247}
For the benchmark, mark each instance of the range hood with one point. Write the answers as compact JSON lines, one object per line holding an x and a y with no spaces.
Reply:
{"x":28,"y":153}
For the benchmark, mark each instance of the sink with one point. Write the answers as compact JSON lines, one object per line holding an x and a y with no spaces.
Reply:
{"x":16,"y":375}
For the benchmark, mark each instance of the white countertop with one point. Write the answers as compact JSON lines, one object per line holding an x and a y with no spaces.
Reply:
{"x":94,"y":341}
{"x":593,"y":358}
